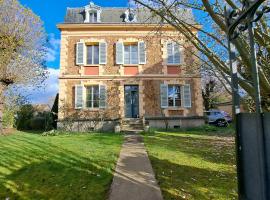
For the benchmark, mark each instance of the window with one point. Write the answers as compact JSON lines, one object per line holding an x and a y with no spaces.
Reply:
{"x":92,"y":96}
{"x":174,"y":95}
{"x":173,"y":53}
{"x":92,"y":54}
{"x":92,"y":13}
{"x":92,"y":17}
{"x":131,"y":54}
{"x":130,"y":16}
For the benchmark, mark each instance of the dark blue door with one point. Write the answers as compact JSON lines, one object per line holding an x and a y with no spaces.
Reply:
{"x":131,"y":101}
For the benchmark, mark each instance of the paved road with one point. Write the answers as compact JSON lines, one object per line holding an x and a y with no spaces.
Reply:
{"x":134,"y":178}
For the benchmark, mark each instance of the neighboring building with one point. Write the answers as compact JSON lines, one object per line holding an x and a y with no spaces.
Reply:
{"x":40,"y":108}
{"x":115,"y":66}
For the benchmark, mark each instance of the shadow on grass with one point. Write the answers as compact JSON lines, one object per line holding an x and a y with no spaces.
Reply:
{"x":219,"y":150}
{"x":34,"y":167}
{"x":205,"y":130}
{"x":186,"y":182}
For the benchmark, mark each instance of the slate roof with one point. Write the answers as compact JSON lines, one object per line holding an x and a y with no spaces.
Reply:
{"x":116,"y":15}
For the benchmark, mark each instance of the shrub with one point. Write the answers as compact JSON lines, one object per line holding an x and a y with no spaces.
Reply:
{"x":24,"y":116}
{"x":8,"y":118}
{"x":28,"y":119}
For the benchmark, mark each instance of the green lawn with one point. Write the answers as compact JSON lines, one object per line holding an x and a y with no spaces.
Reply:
{"x":193,"y":164}
{"x":78,"y":166}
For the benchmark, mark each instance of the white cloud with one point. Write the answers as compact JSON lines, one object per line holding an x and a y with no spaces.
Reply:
{"x":51,"y":55}
{"x":46,"y":93}
{"x":53,"y":48}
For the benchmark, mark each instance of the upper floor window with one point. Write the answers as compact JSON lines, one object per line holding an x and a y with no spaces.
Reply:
{"x":131,"y":54}
{"x":92,"y":13}
{"x":174,"y":95}
{"x":173,"y":53}
{"x":92,"y":54}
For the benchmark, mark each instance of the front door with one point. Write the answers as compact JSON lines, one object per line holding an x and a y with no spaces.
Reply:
{"x":131,"y":101}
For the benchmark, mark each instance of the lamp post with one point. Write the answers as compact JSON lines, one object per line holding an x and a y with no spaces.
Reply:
{"x":238,"y":21}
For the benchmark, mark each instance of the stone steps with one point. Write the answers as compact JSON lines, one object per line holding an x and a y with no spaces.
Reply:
{"x":132,"y":126}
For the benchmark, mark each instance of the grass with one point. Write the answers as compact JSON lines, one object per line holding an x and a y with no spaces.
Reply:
{"x":194,"y":164}
{"x":78,"y":166}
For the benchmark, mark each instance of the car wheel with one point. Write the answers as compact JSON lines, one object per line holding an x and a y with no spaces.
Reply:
{"x":221,"y":123}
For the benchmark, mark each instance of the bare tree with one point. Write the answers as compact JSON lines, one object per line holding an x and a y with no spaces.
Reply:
{"x":22,"y":48}
{"x":211,"y":39}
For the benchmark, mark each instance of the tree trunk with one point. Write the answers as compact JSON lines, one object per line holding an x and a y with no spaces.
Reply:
{"x":2,"y":88}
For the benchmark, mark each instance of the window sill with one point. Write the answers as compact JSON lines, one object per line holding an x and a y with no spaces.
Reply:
{"x":92,"y":65}
{"x":174,"y":64}
{"x":91,"y":109}
{"x":131,"y":65}
{"x":175,"y":108}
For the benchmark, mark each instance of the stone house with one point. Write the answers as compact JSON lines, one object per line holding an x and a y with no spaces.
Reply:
{"x":120,"y":65}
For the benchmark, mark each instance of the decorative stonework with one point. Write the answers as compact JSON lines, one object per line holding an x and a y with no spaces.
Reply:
{"x":164,"y":55}
{"x":198,"y":101}
{"x":141,"y":98}
{"x":122,"y":99}
{"x":63,"y":55}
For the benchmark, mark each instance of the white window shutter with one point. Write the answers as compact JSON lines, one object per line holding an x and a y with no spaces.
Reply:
{"x":164,"y":95}
{"x":187,"y":96}
{"x":119,"y":53}
{"x":78,"y":96}
{"x":176,"y":51}
{"x":169,"y":53}
{"x":142,"y":52}
{"x":102,"y":53}
{"x":102,"y":96}
{"x":80,"y":53}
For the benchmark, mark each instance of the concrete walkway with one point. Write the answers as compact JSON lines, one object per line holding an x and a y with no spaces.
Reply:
{"x":134,"y":178}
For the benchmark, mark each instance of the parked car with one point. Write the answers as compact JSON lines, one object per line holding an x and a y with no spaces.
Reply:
{"x":218,"y":117}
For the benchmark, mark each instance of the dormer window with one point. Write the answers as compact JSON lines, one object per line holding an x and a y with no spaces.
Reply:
{"x":130,"y":16}
{"x":93,"y":17}
{"x":92,"y":13}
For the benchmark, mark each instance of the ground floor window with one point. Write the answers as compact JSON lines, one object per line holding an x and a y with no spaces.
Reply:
{"x":174,"y":95}
{"x":92,"y":96}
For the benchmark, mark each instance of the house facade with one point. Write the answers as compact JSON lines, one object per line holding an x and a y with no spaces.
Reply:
{"x":121,"y":64}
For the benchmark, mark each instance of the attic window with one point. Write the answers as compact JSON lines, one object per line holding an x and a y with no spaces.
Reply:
{"x":92,"y":13}
{"x":93,"y":17}
{"x":130,"y":16}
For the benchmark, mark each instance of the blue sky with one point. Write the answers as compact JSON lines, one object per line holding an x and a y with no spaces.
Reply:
{"x":51,"y":13}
